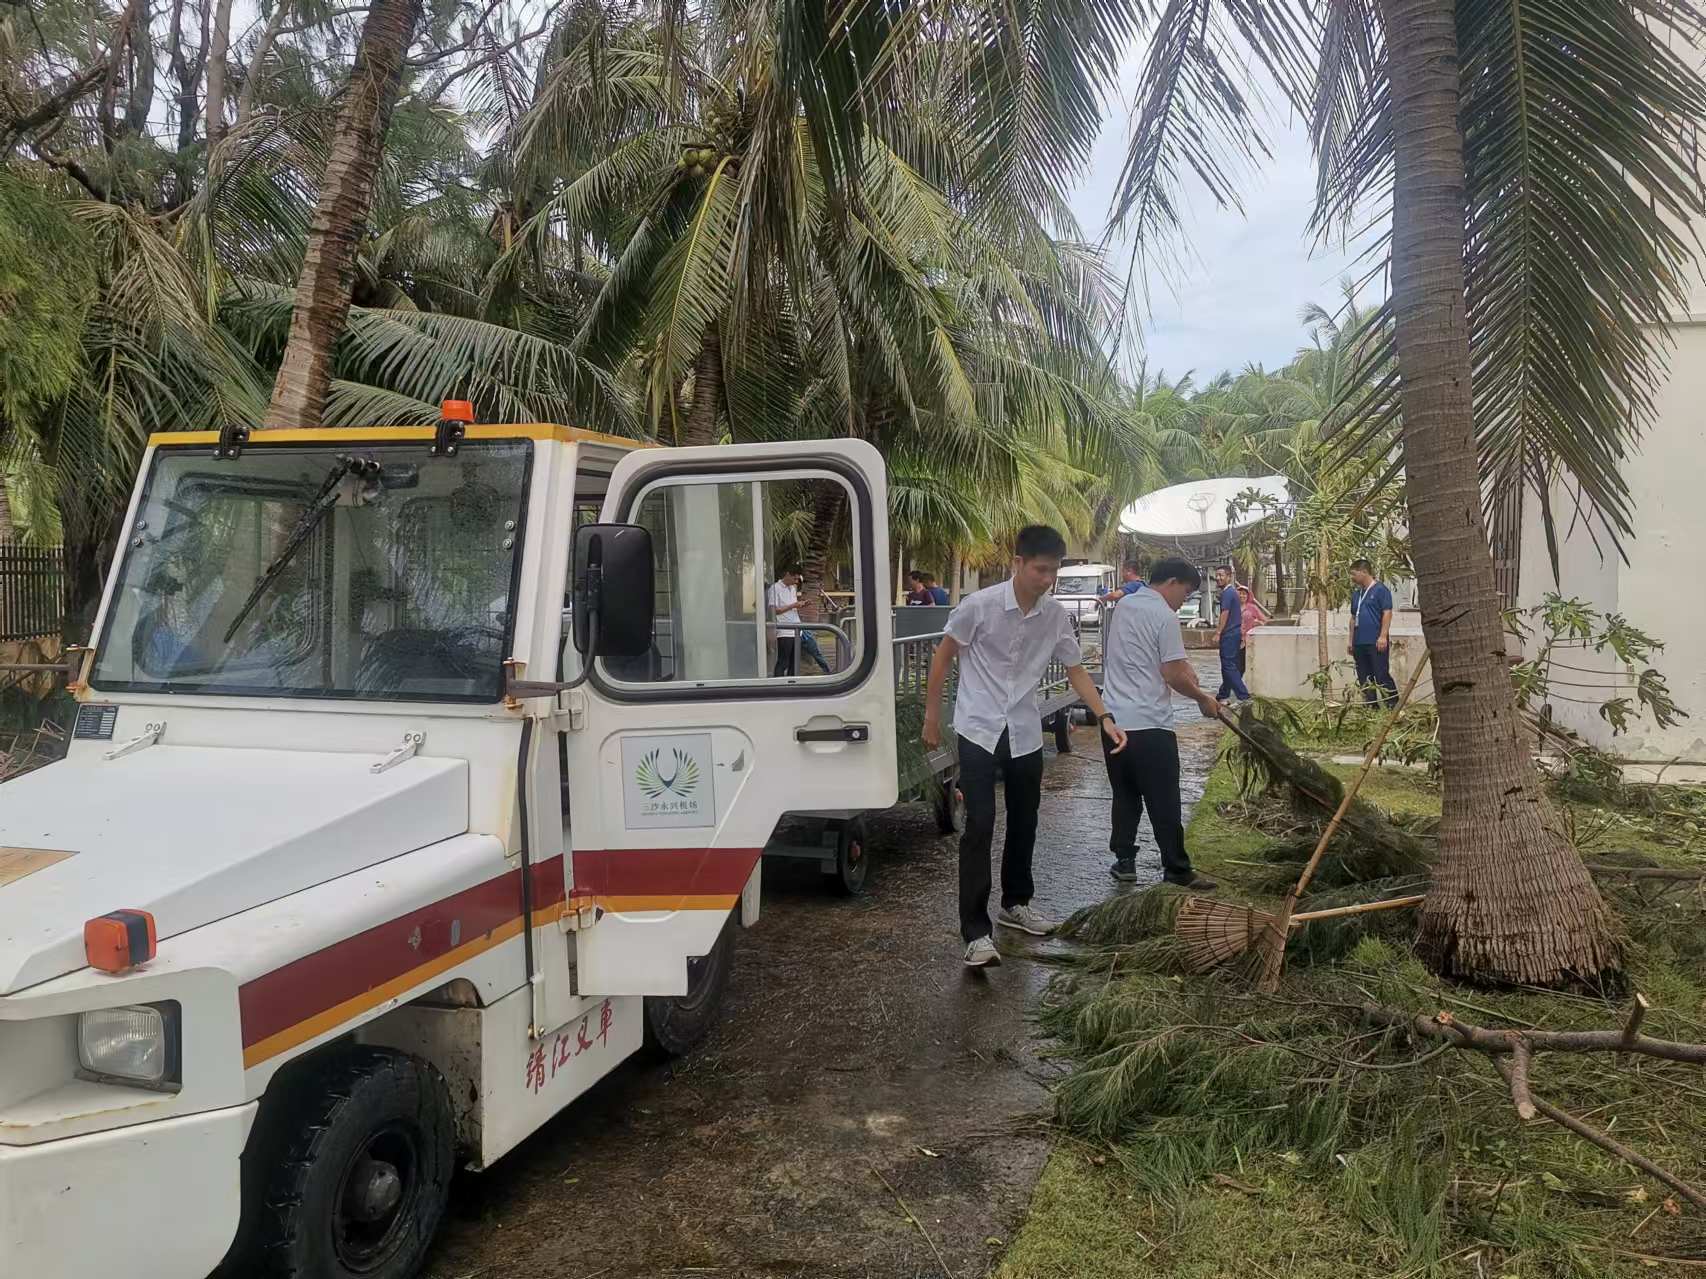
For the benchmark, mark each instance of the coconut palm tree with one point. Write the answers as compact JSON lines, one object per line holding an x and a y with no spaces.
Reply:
{"x":1536,"y":175}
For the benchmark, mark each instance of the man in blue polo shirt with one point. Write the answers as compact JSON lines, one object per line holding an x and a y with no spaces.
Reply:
{"x":1132,"y":584}
{"x":1371,"y":628}
{"x":1231,"y":636}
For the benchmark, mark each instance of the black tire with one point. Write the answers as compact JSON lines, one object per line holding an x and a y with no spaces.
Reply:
{"x":347,"y":1170}
{"x":852,"y":857}
{"x":674,"y":1024}
{"x":1062,"y":733}
{"x":950,"y":805}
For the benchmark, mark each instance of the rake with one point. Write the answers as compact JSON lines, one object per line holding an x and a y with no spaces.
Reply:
{"x":1214,"y":933}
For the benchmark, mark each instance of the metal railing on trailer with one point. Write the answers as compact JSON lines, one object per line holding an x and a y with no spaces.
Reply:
{"x":838,"y":842}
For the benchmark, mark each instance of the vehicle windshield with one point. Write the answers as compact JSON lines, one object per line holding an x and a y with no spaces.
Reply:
{"x":374,"y":571}
{"x":1078,"y":584}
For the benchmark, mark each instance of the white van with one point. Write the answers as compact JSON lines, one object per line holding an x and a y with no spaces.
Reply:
{"x":1080,"y":586}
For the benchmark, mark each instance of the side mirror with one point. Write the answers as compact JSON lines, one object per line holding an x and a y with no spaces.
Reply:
{"x":613,"y":592}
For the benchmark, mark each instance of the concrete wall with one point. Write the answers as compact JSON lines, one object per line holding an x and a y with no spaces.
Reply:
{"x":1281,"y":659}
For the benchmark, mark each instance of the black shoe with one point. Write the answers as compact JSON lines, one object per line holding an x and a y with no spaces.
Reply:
{"x":1195,"y":882}
{"x":1124,"y":870}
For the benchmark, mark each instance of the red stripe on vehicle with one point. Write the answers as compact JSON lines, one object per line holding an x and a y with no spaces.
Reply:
{"x":643,"y":872}
{"x":344,"y":970}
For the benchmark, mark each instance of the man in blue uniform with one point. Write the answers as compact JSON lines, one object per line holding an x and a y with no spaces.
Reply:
{"x":1371,"y":628}
{"x":1231,"y":636}
{"x":1133,"y":583}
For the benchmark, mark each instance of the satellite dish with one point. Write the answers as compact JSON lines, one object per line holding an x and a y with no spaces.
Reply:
{"x":1194,"y":514}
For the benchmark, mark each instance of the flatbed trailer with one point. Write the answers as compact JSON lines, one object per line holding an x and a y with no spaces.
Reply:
{"x":838,"y":842}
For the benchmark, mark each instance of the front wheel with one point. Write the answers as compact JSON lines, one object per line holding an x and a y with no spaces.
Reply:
{"x":348,"y":1170}
{"x":676,"y":1023}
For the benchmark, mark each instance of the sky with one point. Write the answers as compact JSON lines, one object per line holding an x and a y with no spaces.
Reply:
{"x":1235,"y":299}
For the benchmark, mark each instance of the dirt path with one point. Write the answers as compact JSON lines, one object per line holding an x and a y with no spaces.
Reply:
{"x":854,"y":1043}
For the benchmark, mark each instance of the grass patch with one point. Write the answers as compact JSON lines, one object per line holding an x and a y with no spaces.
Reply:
{"x":1213,"y":1132}
{"x":1089,"y":1221}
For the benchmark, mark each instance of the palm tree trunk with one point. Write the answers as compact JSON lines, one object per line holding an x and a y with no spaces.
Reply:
{"x":257,"y":62}
{"x":701,"y":425}
{"x":828,"y":505}
{"x":218,"y":60}
{"x":7,"y":532}
{"x":340,"y":217}
{"x":1510,"y":900}
{"x":1279,"y":579}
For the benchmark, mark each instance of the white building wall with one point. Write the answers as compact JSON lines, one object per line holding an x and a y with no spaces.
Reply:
{"x":1659,"y":589}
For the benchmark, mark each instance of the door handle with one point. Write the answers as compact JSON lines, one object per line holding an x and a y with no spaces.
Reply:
{"x":846,"y":733}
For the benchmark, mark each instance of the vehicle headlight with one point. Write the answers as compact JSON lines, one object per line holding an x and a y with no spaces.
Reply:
{"x":135,"y":1045}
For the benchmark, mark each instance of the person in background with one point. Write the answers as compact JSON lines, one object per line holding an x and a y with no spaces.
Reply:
{"x":783,"y":599}
{"x":1143,"y":665}
{"x":1132,"y":574}
{"x":938,"y":594}
{"x":1251,"y":616}
{"x":1371,"y":631}
{"x":916,"y":591}
{"x":1230,"y":636}
{"x":1004,"y":637}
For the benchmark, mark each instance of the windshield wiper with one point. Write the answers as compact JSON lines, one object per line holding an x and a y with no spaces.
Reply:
{"x":310,"y":520}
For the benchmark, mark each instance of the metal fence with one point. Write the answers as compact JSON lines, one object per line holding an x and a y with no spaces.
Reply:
{"x":32,"y":591}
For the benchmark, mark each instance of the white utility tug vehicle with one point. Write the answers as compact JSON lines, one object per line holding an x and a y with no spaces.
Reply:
{"x":360,"y":866}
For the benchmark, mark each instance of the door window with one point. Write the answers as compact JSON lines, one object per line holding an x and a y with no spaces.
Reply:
{"x":748,"y":573}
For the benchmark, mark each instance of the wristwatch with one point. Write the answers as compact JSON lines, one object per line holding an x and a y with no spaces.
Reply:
{"x":1105,"y":717}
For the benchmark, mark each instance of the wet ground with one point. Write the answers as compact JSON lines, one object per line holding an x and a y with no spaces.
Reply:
{"x":860,"y":1076}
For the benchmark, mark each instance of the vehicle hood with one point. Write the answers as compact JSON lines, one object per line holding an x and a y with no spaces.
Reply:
{"x":195,"y":833}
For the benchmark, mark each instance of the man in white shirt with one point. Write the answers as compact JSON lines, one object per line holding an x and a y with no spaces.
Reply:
{"x":783,"y":597}
{"x":1004,"y":637}
{"x":1143,"y":665}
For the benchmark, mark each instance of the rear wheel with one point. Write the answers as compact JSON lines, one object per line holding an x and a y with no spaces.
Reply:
{"x":852,"y":857}
{"x":347,"y":1171}
{"x":950,"y":804}
{"x":1062,"y":733}
{"x":676,"y":1023}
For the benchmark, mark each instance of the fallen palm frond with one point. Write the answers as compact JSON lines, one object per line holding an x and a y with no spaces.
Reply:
{"x":1128,"y":918}
{"x":1218,"y":934}
{"x":1371,"y":846}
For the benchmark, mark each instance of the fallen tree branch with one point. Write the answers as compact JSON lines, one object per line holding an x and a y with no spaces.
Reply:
{"x":1522,"y":1056}
{"x":1443,"y":1025}
{"x":1606,"y":1143}
{"x":1632,"y":1029}
{"x":1512,"y":1054}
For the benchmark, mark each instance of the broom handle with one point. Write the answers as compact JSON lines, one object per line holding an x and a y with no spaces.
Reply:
{"x":1357,"y":781}
{"x":1391,"y":903}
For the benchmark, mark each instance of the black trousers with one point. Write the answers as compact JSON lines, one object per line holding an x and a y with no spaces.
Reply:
{"x":1374,"y":673}
{"x":785,"y":662}
{"x":1147,"y":772}
{"x":979,"y":770}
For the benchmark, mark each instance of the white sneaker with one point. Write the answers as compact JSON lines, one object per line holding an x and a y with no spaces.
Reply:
{"x":1026,"y":920}
{"x":981,"y":953}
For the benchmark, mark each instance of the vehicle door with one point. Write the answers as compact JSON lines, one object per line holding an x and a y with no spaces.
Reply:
{"x":686,"y":757}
